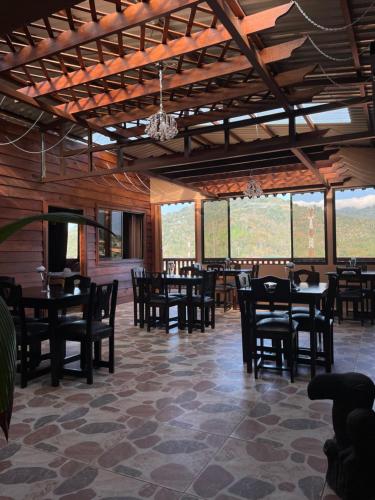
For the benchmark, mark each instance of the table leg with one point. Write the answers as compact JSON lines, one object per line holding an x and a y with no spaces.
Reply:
{"x":54,"y":345}
{"x":313,"y":347}
{"x":189,"y":293}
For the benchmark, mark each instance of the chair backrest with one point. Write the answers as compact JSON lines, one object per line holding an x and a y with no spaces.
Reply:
{"x":306,"y":275}
{"x":136,"y":273}
{"x":255,"y":271}
{"x":155,"y":284}
{"x":7,"y":279}
{"x":208,"y":285}
{"x":349,"y":276}
{"x":12,"y":296}
{"x":216,"y":267}
{"x":243,"y":280}
{"x":76,"y":281}
{"x":102,"y":302}
{"x":272,"y":290}
{"x":188,"y":270}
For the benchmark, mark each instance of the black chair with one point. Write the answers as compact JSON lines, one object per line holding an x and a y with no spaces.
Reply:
{"x":137,"y":273}
{"x":204,"y":301}
{"x":243,"y":280}
{"x":30,"y":333}
{"x":76,"y":281}
{"x":98,"y":323}
{"x":157,"y":296}
{"x":255,"y":271}
{"x":311,"y":277}
{"x":350,"y":290}
{"x":224,"y":288}
{"x":323,"y":326}
{"x":281,"y":331}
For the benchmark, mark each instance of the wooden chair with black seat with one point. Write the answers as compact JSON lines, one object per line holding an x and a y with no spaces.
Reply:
{"x":224,"y":289}
{"x":30,"y":333}
{"x":97,"y":324}
{"x":350,"y":290}
{"x":204,"y":301}
{"x":70,"y":283}
{"x":324,"y":321}
{"x":280,"y":331}
{"x":137,"y":273}
{"x":157,"y":296}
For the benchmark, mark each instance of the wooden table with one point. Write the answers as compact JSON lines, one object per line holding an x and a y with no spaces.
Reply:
{"x":305,"y":293}
{"x":53,"y":301}
{"x":176,"y":280}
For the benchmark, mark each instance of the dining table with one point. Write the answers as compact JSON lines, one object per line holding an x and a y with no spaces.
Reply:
{"x":53,"y":300}
{"x":311,"y":294}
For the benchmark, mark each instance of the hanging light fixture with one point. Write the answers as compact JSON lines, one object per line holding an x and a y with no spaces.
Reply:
{"x":161,"y":126}
{"x":253,"y":188}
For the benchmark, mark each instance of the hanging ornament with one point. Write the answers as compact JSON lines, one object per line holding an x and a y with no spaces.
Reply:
{"x":253,"y":188}
{"x":161,"y":126}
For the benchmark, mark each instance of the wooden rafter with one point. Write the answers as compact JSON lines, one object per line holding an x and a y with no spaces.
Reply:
{"x":197,"y":41}
{"x":188,"y":77}
{"x":288,"y":78}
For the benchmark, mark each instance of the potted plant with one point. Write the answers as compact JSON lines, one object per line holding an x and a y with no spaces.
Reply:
{"x":8,"y":348}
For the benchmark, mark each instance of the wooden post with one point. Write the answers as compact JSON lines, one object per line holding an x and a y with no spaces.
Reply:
{"x":89,"y":152}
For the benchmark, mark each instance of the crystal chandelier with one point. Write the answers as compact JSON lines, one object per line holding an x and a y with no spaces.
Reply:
{"x":253,"y":188}
{"x":161,"y":126}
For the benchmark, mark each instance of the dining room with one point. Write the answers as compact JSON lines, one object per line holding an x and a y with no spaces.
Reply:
{"x":187,"y":250}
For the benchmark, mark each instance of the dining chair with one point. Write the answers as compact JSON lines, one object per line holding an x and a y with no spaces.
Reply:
{"x":157,"y":296}
{"x":350,"y":290}
{"x":30,"y":333}
{"x":280,"y":331}
{"x":324,"y":321}
{"x":137,"y":273}
{"x":224,"y":288}
{"x":310,"y":277}
{"x":97,"y":324}
{"x":204,"y":301}
{"x":76,"y":281}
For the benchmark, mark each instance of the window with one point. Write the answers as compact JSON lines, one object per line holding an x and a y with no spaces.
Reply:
{"x":127,"y":240}
{"x":308,"y":226}
{"x":355,"y":223}
{"x":178,"y":230}
{"x":215,"y":229}
{"x":72,"y":245}
{"x":261,"y":227}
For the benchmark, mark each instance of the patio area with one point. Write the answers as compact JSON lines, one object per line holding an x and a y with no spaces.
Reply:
{"x":180,"y":419}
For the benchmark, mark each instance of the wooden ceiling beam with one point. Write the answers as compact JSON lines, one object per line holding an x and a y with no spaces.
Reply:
{"x":197,"y":41}
{"x":288,"y":78}
{"x":306,"y":140}
{"x":234,"y":26}
{"x":138,"y":13}
{"x":188,"y":77}
{"x":304,"y":158}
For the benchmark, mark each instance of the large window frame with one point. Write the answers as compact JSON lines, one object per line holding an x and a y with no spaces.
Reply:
{"x":194,"y":246}
{"x":306,"y":260}
{"x":108,"y":260}
{"x":342,"y":260}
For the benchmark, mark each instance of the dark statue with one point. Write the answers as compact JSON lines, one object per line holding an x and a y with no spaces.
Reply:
{"x":351,"y":452}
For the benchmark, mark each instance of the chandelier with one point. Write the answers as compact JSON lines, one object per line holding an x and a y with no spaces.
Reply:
{"x":253,"y":188}
{"x":161,"y":126}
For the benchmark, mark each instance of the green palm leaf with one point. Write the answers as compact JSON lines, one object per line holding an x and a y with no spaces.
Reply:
{"x":64,"y":217}
{"x":8,"y":348}
{"x":8,"y":356}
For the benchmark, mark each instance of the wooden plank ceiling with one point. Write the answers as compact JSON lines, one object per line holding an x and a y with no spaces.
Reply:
{"x":93,"y":63}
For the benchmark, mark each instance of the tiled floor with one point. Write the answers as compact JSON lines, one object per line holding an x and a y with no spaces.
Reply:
{"x":179,"y":420}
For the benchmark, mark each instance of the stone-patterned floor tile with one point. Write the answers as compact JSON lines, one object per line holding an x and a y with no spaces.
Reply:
{"x":164,"y":455}
{"x":254,"y":470}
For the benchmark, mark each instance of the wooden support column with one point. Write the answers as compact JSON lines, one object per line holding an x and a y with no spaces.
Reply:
{"x":89,"y":150}
{"x":198,"y":230}
{"x":157,"y":255}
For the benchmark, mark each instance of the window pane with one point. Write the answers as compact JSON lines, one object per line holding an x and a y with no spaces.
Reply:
{"x":215,"y":231}
{"x":308,"y":226}
{"x":116,"y":239}
{"x":104,"y":219}
{"x":72,"y":246}
{"x":355,"y":223}
{"x":178,"y":230}
{"x":260,"y":228}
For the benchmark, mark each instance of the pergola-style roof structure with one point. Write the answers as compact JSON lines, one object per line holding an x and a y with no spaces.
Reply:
{"x":93,"y":63}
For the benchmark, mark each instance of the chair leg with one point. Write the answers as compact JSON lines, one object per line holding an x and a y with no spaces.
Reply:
{"x":112,"y":353}
{"x":148,"y":319}
{"x":166,"y":318}
{"x":213,"y":310}
{"x":89,"y":362}
{"x":83,"y":357}
{"x":135,"y":311}
{"x":97,"y":353}
{"x":202,"y":310}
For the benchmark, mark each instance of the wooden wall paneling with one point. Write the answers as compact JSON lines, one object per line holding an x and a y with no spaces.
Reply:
{"x":22,"y":194}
